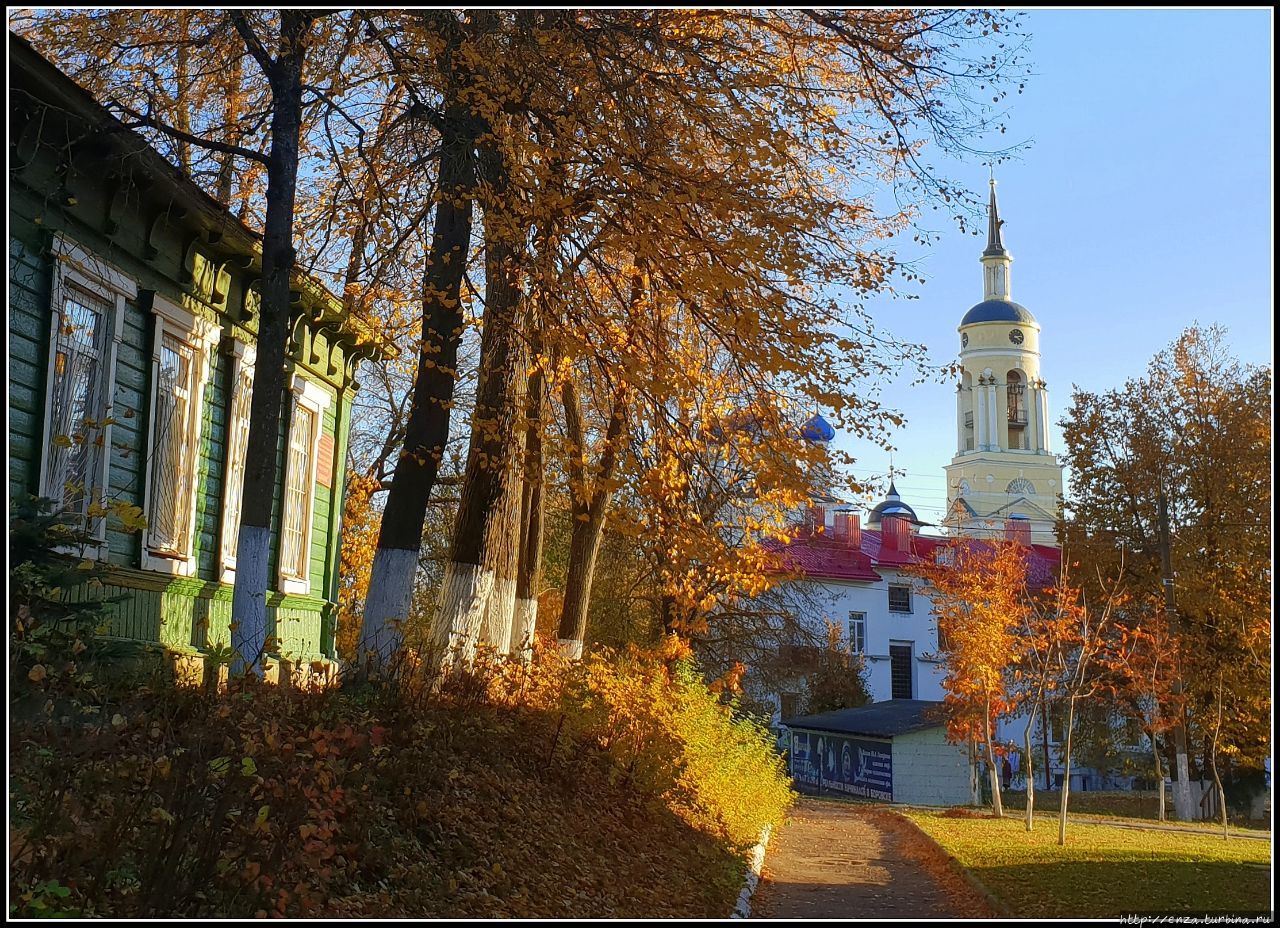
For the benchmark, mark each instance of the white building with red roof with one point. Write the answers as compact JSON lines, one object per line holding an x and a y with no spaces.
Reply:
{"x":872,"y":595}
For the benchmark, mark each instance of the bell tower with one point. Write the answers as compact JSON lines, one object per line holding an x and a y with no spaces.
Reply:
{"x":1003,"y":466}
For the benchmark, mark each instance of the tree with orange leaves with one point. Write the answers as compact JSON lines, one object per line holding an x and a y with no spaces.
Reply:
{"x":1090,"y":631}
{"x":979,"y":596}
{"x":1035,"y":676}
{"x":1146,"y":665}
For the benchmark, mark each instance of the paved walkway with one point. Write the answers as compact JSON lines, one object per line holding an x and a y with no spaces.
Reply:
{"x":836,"y":859}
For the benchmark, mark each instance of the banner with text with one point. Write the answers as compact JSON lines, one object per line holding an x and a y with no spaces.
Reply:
{"x":842,"y":764}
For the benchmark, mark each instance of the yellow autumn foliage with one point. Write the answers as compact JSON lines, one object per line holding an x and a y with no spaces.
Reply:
{"x":668,"y":734}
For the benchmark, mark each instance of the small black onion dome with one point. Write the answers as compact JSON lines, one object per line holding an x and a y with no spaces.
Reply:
{"x":892,"y":506}
{"x":998,"y":311}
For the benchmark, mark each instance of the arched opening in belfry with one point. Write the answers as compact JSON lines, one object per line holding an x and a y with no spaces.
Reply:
{"x":1017,"y":388}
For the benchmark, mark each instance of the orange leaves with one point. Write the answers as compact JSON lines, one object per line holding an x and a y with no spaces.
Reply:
{"x":980,"y":598}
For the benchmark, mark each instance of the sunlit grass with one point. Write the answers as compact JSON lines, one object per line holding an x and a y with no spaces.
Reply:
{"x":1104,"y":870}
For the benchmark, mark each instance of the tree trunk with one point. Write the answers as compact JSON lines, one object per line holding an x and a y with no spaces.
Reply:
{"x":1183,"y":806}
{"x":249,"y":603}
{"x":993,"y":772}
{"x":975,"y":792}
{"x":1030,"y":771}
{"x":1045,"y":709}
{"x":181,"y":93}
{"x":589,"y":508}
{"x":1213,"y":762}
{"x":395,"y":563}
{"x":1155,"y":752}
{"x":492,"y":476}
{"x":231,"y":113}
{"x":502,"y":553}
{"x":584,"y":545}
{"x":1066,"y":773}
{"x":529,"y":571}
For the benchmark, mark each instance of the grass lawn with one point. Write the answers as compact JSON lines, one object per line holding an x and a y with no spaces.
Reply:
{"x":1104,"y":871}
{"x":1114,"y":804}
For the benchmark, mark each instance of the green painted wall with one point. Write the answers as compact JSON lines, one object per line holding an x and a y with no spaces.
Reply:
{"x":183,"y":614}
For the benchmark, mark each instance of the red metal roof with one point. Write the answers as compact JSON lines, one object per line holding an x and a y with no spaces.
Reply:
{"x":823,"y":557}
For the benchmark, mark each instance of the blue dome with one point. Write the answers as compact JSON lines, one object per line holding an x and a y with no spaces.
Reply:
{"x":998,"y":311}
{"x":817,"y":429}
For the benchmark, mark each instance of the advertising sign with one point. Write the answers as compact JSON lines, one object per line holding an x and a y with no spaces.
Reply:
{"x":843,"y":764}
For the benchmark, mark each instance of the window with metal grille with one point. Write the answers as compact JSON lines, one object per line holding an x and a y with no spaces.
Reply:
{"x":900,"y":671}
{"x":179,"y":368}
{"x":944,"y":644}
{"x":899,"y":598}
{"x":858,"y":632}
{"x":237,"y":446}
{"x":172,"y":453}
{"x":86,"y":306}
{"x":77,"y":400}
{"x":297,"y":494}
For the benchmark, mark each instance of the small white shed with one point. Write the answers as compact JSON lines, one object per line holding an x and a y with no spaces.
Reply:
{"x":895,"y":751}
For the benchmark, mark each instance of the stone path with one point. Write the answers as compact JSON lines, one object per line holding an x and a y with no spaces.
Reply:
{"x":835,"y":859}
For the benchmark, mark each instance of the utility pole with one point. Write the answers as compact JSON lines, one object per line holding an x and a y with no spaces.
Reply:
{"x":1183,"y":807}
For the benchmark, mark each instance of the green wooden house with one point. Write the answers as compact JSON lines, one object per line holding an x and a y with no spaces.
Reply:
{"x":132,"y":298}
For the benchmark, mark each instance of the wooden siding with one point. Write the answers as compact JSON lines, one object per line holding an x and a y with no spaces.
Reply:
{"x":212,"y":467}
{"x":137,"y":224}
{"x":28,"y":331}
{"x":131,"y":394}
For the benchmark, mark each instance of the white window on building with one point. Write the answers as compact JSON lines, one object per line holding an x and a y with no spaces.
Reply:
{"x":243,"y":357}
{"x":899,"y":598}
{"x":857,"y":632}
{"x":309,"y":404}
{"x":88,"y":298}
{"x":180,"y":367}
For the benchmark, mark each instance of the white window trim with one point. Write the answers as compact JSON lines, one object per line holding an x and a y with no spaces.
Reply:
{"x":73,"y":264}
{"x":243,"y":358}
{"x":853,"y":644}
{"x":911,"y":645}
{"x":910,"y":610}
{"x":202,"y":335}
{"x":315,"y":399}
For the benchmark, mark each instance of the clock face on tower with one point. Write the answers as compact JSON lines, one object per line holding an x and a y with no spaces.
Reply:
{"x":1016,"y":336}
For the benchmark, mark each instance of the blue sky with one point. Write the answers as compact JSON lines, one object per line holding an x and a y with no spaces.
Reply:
{"x":1142,"y":204}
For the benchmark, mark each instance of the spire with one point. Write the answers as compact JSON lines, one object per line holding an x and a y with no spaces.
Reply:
{"x":995,"y":260}
{"x":994,"y":222}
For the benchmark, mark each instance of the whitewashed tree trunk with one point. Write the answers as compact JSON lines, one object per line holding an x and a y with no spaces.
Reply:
{"x":524,"y":628}
{"x":249,"y":601}
{"x":499,"y":615}
{"x":387,"y":604}
{"x":464,"y":596}
{"x":1066,"y":773}
{"x":1030,"y":771}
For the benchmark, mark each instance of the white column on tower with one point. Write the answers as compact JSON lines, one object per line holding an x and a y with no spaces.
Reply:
{"x":1033,"y":415}
{"x":1043,"y":395}
{"x":960,"y":417}
{"x":983,"y":416}
{"x":980,"y":413}
{"x":993,"y":414}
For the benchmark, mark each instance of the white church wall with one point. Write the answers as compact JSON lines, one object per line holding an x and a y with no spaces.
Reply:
{"x":883,"y":627}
